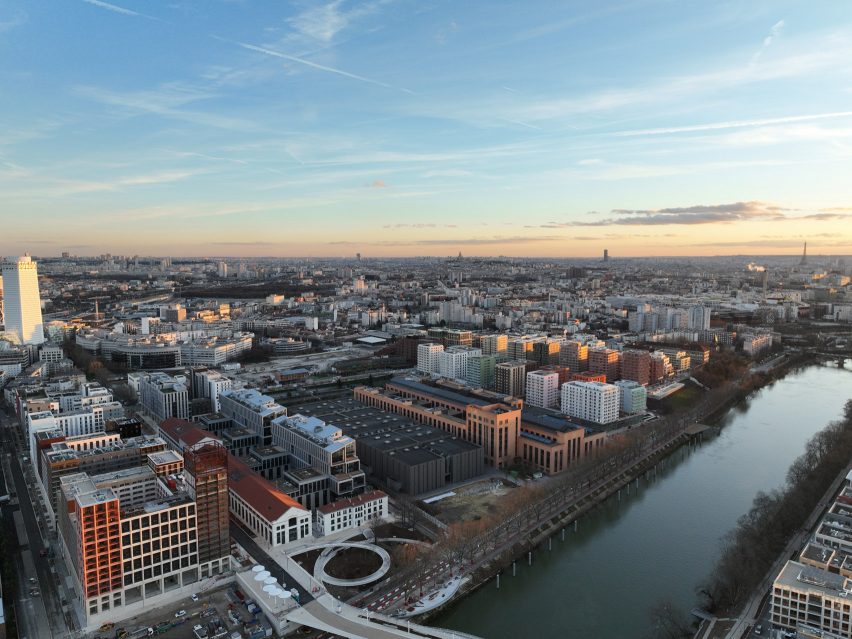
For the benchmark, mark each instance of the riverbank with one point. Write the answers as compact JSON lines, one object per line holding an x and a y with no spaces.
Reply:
{"x":552,"y":525}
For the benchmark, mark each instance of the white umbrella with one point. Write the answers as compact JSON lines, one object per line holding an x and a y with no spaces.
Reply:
{"x":270,"y":580}
{"x":261,"y":576}
{"x":285,"y":594}
{"x":257,"y":568}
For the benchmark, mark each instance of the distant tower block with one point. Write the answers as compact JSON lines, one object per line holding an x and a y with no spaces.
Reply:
{"x":358,"y":255}
{"x":606,"y":255}
{"x":804,"y":255}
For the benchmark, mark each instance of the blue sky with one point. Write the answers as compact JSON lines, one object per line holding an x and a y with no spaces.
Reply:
{"x":395,"y":127}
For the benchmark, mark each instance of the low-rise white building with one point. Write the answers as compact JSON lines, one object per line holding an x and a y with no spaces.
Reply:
{"x":353,"y":512}
{"x":273,"y":517}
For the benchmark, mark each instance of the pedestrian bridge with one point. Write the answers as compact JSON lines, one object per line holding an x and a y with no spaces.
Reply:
{"x":329,"y":615}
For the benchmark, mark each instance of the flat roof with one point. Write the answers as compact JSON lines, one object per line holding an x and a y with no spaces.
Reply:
{"x":802,"y":577}
{"x":167,"y":456}
{"x":443,"y":393}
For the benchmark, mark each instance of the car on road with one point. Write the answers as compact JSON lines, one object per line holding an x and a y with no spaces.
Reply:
{"x":180,"y":613}
{"x":758,"y":629}
{"x":33,"y":580}
{"x":194,"y":597}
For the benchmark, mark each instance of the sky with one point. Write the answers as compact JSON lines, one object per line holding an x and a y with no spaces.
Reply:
{"x":425,"y":127}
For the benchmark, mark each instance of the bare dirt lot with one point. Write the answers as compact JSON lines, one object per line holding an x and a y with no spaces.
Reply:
{"x":472,"y":502}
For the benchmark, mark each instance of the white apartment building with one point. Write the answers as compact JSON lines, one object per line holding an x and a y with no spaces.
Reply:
{"x":427,"y":358}
{"x":452,"y":362}
{"x":164,"y":396}
{"x":634,"y":396}
{"x":543,"y":389}
{"x":593,"y":401}
{"x":354,"y":512}
{"x":699,"y":318}
{"x":21,"y":300}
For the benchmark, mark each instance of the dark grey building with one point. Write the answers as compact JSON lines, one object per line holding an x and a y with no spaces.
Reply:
{"x":397,"y":453}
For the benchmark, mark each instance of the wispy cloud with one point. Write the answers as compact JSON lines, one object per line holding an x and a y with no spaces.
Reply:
{"x":322,"y":22}
{"x":308,"y":63}
{"x":421,"y":225}
{"x":735,"y":124}
{"x":774,"y":33}
{"x":116,"y":9}
{"x":700,"y":214}
{"x":167,"y":100}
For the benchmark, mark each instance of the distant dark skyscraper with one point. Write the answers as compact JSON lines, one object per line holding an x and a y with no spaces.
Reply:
{"x":804,"y":255}
{"x":606,"y":255}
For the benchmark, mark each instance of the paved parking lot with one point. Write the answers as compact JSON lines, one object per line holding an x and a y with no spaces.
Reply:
{"x":216,"y":600}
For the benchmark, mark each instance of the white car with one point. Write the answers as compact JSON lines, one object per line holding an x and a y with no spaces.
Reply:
{"x":180,"y":613}
{"x":194,"y":597}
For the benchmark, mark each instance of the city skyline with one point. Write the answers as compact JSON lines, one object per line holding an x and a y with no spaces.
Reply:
{"x":393,"y":128}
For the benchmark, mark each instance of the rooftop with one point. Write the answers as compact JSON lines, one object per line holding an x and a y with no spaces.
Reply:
{"x":351,"y":502}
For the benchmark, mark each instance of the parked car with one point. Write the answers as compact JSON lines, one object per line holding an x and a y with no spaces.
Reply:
{"x":194,"y":597}
{"x":180,"y":613}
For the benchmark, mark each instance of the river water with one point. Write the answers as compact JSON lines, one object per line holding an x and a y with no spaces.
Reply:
{"x":662,"y":541}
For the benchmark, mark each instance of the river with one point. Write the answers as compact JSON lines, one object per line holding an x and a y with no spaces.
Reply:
{"x":660,"y":542}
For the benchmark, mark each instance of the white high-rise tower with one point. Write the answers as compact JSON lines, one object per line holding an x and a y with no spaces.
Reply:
{"x":21,"y":301}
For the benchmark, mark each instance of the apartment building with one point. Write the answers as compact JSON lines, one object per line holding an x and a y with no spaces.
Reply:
{"x":163,"y":396}
{"x":574,"y":355}
{"x":605,"y":361}
{"x":634,"y":396}
{"x":510,"y":378}
{"x":592,"y":401}
{"x":543,"y":389}
{"x":452,"y":361}
{"x":427,"y":358}
{"x":481,"y":371}
{"x":494,"y":345}
{"x":636,"y":366}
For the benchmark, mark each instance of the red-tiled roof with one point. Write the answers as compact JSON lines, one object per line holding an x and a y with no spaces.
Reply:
{"x":256,"y":491}
{"x":181,"y":430}
{"x":349,"y":502}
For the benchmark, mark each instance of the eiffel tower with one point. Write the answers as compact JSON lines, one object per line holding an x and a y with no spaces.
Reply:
{"x":804,"y":256}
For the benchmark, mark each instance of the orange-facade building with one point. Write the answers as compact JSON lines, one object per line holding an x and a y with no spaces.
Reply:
{"x":505,"y":432}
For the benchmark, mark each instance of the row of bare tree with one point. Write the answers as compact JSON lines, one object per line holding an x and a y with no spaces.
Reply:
{"x":761,"y":535}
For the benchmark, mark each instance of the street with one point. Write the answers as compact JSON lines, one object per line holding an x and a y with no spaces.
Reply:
{"x":42,"y":615}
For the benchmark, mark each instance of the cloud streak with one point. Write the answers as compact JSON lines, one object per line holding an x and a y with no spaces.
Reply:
{"x":121,"y":10}
{"x":734,"y":124}
{"x":308,"y":63}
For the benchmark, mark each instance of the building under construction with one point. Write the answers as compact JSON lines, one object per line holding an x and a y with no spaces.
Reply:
{"x":206,"y":466}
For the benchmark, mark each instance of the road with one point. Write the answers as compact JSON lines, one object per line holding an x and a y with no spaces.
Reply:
{"x":43,"y":612}
{"x":262,"y":557}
